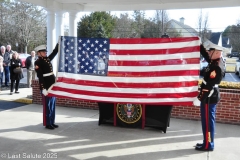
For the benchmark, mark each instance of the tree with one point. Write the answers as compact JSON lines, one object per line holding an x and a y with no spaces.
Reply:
{"x":161,"y":19}
{"x":23,"y":24}
{"x":203,"y":30}
{"x":139,"y":23}
{"x":96,"y":24}
{"x":157,"y":26}
{"x":30,"y":22}
{"x":123,"y":27}
{"x":151,"y":29}
{"x":233,"y":32}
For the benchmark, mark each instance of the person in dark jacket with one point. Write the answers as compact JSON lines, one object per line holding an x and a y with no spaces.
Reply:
{"x":15,"y":77}
{"x":209,"y":95}
{"x":46,"y":78}
{"x":29,"y":63}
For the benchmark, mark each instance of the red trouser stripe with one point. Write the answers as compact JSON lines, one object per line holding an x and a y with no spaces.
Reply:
{"x":44,"y":110}
{"x":207,"y":123}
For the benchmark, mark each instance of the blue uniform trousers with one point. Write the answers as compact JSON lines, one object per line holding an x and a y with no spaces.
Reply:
{"x":208,"y":113}
{"x":48,"y":110}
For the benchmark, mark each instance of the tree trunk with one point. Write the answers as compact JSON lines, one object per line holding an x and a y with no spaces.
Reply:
{"x":25,"y":49}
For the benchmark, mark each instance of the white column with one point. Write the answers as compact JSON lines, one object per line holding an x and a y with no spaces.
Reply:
{"x":73,"y":23}
{"x":51,"y":36}
{"x":59,"y":25}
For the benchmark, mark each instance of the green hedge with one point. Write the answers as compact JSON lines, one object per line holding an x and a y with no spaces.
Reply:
{"x":225,"y":84}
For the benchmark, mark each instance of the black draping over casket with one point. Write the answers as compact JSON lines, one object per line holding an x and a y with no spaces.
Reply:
{"x":157,"y":116}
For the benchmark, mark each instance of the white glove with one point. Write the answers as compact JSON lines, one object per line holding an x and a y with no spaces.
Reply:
{"x":196,"y":102}
{"x":45,"y":92}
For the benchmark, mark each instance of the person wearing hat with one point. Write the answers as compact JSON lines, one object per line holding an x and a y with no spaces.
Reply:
{"x":209,"y":95}
{"x":46,"y":77}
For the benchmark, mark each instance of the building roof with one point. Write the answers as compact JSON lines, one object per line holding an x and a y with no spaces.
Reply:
{"x":225,"y":40}
{"x":215,"y":37}
{"x":187,"y":28}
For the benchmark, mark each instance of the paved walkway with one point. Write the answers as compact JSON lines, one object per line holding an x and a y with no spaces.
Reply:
{"x":79,"y":137}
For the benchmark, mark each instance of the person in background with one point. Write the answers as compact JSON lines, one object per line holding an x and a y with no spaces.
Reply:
{"x":15,"y":77}
{"x":6,"y":61}
{"x":1,"y":71}
{"x":29,"y":63}
{"x":46,"y":77}
{"x":9,"y":51}
{"x":209,"y":95}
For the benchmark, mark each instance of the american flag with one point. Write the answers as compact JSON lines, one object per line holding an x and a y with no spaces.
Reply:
{"x":147,"y":71}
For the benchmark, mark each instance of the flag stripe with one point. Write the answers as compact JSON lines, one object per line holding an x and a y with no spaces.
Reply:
{"x":155,"y":51}
{"x":126,"y":90}
{"x":127,"y":85}
{"x":127,"y":79}
{"x":171,"y":101}
{"x":149,"y":46}
{"x":154,"y":62}
{"x":180,"y":56}
{"x":151,"y":40}
{"x":153,"y":68}
{"x":154,"y":74}
{"x":123,"y":95}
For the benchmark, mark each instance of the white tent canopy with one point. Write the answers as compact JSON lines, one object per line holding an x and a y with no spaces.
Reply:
{"x":129,"y":5}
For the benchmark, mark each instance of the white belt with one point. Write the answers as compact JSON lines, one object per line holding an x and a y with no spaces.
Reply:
{"x":48,"y":74}
{"x":204,"y":82}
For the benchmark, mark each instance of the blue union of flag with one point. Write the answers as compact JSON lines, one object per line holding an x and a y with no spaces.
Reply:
{"x":84,"y":55}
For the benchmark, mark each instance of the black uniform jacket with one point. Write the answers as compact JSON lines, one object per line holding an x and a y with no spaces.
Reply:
{"x":43,"y":66}
{"x":212,"y":77}
{"x":14,"y":63}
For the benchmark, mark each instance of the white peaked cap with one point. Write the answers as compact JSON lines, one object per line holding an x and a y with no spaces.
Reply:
{"x":215,"y":47}
{"x":211,"y":46}
{"x":41,"y":48}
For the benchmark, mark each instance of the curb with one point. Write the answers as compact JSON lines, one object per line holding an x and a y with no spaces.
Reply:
{"x":24,"y":100}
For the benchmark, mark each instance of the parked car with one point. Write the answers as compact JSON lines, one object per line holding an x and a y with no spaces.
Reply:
{"x":225,"y":65}
{"x":23,"y":57}
{"x":233,"y":54}
{"x":237,"y":68}
{"x":204,"y":64}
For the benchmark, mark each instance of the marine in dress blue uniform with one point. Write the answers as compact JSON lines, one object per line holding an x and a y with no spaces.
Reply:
{"x":209,"y":95}
{"x":44,"y":70}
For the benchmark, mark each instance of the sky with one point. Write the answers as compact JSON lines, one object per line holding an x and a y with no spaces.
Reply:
{"x":218,"y":18}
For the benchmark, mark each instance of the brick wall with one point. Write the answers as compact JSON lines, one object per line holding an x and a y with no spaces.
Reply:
{"x":228,"y":109}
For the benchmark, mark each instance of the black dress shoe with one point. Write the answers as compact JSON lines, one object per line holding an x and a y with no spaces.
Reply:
{"x":16,"y":92}
{"x":55,"y":126}
{"x":199,"y":144}
{"x":201,"y":148}
{"x":49,"y":127}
